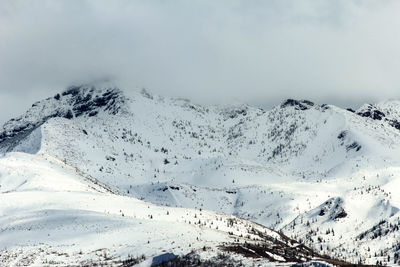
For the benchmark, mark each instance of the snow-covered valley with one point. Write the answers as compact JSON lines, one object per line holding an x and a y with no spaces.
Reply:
{"x":95,"y":174}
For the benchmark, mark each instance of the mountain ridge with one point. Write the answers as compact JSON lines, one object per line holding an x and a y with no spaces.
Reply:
{"x":300,"y":168}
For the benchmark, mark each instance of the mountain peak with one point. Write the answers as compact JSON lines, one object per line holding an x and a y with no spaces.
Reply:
{"x":75,"y":101}
{"x":88,"y":99}
{"x":298,"y":104}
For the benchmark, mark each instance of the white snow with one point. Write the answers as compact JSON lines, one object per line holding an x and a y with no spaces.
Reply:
{"x":277,"y":168}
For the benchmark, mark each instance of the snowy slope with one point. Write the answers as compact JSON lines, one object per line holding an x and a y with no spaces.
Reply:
{"x":278,"y":168}
{"x":50,"y":214}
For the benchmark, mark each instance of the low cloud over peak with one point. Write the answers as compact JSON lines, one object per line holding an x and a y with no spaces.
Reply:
{"x":260,"y":52}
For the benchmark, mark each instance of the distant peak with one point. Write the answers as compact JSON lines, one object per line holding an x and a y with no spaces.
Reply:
{"x":298,"y":104}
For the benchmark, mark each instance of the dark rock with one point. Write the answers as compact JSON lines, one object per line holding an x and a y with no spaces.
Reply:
{"x":236,"y":112}
{"x":341,"y":214}
{"x":299,"y":105}
{"x":163,"y":189}
{"x":93,"y":113}
{"x":110,"y":158}
{"x":174,"y":187}
{"x":372,"y":112}
{"x":322,"y":212}
{"x":68,"y":115}
{"x":308,"y":102}
{"x":395,"y":124}
{"x":342,"y":135}
{"x":73,"y":90}
{"x":353,"y":145}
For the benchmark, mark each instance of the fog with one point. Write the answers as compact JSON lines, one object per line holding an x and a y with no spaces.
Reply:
{"x":257,"y":52}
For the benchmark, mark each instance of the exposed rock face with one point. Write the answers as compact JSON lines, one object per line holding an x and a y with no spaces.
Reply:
{"x":76,"y":101}
{"x":298,"y":104}
{"x":333,"y":209}
{"x":87,"y":102}
{"x":371,"y":112}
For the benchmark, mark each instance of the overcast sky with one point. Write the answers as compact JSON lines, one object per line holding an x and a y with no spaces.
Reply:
{"x":259,"y":52}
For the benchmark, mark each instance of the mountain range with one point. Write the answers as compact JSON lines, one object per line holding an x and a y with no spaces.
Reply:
{"x":99,"y":175}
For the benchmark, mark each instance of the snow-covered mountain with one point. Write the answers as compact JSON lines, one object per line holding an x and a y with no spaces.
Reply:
{"x":92,"y":158}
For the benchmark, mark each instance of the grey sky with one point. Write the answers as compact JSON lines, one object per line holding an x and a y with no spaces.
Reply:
{"x":260,"y":52}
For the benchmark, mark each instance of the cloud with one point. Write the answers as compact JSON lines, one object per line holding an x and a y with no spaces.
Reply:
{"x":260,"y":52}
